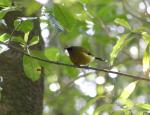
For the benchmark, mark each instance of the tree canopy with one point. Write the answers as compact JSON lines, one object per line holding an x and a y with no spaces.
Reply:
{"x":115,"y":30}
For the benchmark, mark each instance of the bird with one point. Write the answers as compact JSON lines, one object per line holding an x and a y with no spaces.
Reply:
{"x":81,"y":56}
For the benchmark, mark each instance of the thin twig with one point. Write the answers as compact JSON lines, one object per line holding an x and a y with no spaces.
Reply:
{"x":74,"y":66}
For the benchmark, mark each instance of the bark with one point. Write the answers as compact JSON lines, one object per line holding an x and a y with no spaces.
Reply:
{"x":19,"y":95}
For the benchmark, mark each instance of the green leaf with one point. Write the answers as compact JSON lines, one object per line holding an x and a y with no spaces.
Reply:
{"x":5,"y":10}
{"x":31,"y":67}
{"x":146,"y":37}
{"x":5,"y":3}
{"x":102,"y":108}
{"x":24,"y":26}
{"x":64,"y":16}
{"x":143,"y":106}
{"x":117,"y":48}
{"x":104,"y":13}
{"x":146,"y":60}
{"x":91,"y":102}
{"x":121,"y":112}
{"x":26,"y":36}
{"x":123,"y":23}
{"x":128,"y":90}
{"x":52,"y":53}
{"x":18,"y":39}
{"x":71,"y":72}
{"x":126,"y":103}
{"x":34,"y":41}
{"x":4,"y":37}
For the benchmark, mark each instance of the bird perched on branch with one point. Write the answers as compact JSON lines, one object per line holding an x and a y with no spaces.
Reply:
{"x":80,"y":56}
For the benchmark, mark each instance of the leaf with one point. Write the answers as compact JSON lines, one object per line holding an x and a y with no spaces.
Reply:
{"x":4,"y":37}
{"x":24,"y":26}
{"x":146,"y":60}
{"x":18,"y":39}
{"x":128,"y":90}
{"x":34,"y":41}
{"x":117,"y":48}
{"x":56,"y":24}
{"x":121,"y":112}
{"x":146,"y":37}
{"x":64,"y":16}
{"x":5,"y":3}
{"x":5,"y":10}
{"x":32,"y":68}
{"x":143,"y":106}
{"x":102,"y":108}
{"x":52,"y":53}
{"x":91,"y":102}
{"x":26,"y":36}
{"x":123,"y":23}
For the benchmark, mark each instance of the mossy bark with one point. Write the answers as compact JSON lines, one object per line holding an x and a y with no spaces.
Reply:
{"x":19,"y":95}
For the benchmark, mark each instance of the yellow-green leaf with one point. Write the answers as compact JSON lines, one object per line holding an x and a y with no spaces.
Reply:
{"x":26,"y":36}
{"x":123,"y":23}
{"x":117,"y":48}
{"x":102,"y":108}
{"x":34,"y":41}
{"x":146,"y":37}
{"x":143,"y":106}
{"x":4,"y":37}
{"x":128,"y":90}
{"x":146,"y":60}
{"x":52,"y":53}
{"x":91,"y":102}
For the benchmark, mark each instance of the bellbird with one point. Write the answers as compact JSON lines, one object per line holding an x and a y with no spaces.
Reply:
{"x":80,"y":56}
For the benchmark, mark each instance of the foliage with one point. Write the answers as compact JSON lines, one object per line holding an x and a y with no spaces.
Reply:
{"x":111,"y":29}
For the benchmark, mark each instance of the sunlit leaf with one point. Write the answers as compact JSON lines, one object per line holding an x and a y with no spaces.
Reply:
{"x":140,"y":29}
{"x":5,"y":3}
{"x":123,"y":23}
{"x":128,"y":90}
{"x":146,"y":37}
{"x":117,"y":48}
{"x":32,"y":68}
{"x":127,"y":103}
{"x":121,"y":112}
{"x":26,"y":36}
{"x":4,"y":37}
{"x":52,"y":53}
{"x":146,"y":60}
{"x":102,"y":108}
{"x":34,"y":41}
{"x":91,"y":102}
{"x":143,"y":106}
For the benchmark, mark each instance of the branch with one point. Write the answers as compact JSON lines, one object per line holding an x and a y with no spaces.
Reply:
{"x":74,"y":66}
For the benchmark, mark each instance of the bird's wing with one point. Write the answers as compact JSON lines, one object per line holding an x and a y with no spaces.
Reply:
{"x":87,"y":52}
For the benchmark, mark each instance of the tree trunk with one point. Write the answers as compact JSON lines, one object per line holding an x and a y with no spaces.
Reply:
{"x":19,"y":95}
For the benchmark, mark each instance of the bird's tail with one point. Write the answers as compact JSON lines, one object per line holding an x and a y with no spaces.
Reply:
{"x":100,"y":59}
